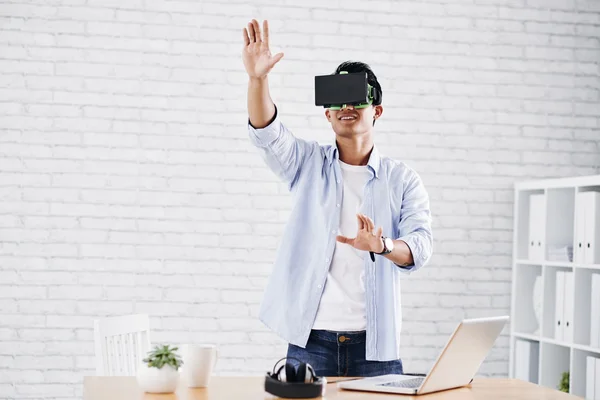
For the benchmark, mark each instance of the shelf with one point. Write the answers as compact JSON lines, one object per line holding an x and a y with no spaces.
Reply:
{"x":528,"y":262}
{"x":589,"y":349}
{"x":559,"y":225}
{"x":575,"y":346}
{"x":527,"y":336}
{"x":526,"y":321}
{"x":571,"y":182}
{"x":583,"y":280}
{"x":555,"y":342}
{"x":552,"y":294}
{"x":566,"y":264}
{"x":555,"y":360}
{"x":579,"y":373}
{"x":557,"y":264}
{"x":526,"y":359}
{"x":589,"y":266}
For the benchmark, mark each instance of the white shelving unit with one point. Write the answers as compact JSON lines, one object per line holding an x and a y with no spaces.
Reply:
{"x":555,"y":303}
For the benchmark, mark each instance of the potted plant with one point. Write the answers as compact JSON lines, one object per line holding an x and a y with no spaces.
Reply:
{"x":159,"y":372}
{"x":563,"y":386}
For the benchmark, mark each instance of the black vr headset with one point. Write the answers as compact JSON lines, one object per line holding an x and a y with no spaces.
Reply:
{"x":339,"y":90}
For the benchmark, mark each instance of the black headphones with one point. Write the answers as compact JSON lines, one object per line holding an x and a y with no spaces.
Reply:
{"x":294,"y":383}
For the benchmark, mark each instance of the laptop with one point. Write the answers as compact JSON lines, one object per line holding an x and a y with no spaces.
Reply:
{"x":455,"y":367}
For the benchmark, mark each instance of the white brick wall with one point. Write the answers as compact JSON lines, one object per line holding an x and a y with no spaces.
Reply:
{"x":128,"y":184}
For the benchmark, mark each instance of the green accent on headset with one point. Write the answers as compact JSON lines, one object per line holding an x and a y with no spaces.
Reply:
{"x":355,"y":105}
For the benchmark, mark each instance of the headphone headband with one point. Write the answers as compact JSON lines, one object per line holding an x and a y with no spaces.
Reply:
{"x":284,"y":358}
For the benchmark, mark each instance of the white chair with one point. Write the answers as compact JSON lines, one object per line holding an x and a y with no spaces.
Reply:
{"x":121,"y":343}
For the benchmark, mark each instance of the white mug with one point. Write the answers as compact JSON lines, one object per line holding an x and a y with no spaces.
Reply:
{"x":199,"y":361}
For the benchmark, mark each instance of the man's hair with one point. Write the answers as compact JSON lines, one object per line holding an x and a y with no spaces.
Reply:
{"x":356,"y":66}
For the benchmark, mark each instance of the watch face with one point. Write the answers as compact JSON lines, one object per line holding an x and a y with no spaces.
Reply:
{"x":389,"y":243}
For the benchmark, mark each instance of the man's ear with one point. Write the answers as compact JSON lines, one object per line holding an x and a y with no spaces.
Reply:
{"x":378,"y":111}
{"x":328,"y":115}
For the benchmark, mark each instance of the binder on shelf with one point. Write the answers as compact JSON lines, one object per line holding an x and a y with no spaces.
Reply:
{"x":587,"y":228}
{"x":597,"y":380}
{"x":595,"y":312}
{"x":568,"y":309}
{"x":522,"y":360}
{"x":526,"y":360}
{"x":579,"y":238}
{"x":537,"y":227}
{"x":590,"y":378}
{"x":592,"y":225}
{"x":559,"y":325}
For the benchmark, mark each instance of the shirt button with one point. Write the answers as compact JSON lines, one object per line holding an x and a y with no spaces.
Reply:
{"x":333,"y":231}
{"x":337,"y":205}
{"x":320,"y":286}
{"x":338,"y":181}
{"x":327,"y":260}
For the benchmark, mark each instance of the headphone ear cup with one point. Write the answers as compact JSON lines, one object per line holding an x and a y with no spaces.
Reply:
{"x":310,"y":374}
{"x":290,"y":373}
{"x":280,"y":374}
{"x":301,"y":372}
{"x":305,"y":373}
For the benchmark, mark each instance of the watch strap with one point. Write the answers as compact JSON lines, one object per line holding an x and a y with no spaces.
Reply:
{"x":385,"y":250}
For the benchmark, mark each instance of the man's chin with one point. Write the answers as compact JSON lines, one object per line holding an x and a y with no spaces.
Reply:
{"x":347,"y":131}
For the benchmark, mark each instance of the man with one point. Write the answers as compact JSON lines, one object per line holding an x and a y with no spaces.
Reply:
{"x":359,"y":221}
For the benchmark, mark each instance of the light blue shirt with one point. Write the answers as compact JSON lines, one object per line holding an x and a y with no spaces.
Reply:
{"x":394,"y":198}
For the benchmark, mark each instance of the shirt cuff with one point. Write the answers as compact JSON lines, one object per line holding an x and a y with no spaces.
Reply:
{"x":265,"y":136}
{"x":418,"y":253}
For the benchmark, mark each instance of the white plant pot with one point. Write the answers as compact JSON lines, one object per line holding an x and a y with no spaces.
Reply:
{"x":154,"y":380}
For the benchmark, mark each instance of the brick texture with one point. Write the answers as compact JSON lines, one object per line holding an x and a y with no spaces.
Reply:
{"x":128,"y":183}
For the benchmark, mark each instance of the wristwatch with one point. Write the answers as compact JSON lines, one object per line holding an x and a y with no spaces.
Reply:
{"x":388,"y":246}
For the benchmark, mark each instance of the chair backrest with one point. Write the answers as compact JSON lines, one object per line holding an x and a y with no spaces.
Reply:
{"x":121,"y":343}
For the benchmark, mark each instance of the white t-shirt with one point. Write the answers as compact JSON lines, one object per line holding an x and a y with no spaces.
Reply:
{"x":342,"y":306}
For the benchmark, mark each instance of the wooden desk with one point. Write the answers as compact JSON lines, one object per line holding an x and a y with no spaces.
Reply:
{"x":252,"y":388}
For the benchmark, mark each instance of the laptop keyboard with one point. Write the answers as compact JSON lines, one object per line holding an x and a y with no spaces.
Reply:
{"x":405,"y":383}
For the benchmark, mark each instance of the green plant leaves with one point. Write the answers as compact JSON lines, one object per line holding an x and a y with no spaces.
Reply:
{"x":163,"y":355}
{"x":563,"y":386}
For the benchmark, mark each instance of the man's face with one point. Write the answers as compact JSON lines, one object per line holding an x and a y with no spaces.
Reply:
{"x":350,"y":122}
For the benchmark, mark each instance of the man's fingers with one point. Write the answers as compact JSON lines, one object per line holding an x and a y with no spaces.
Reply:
{"x":275,"y":59}
{"x":365,"y":223}
{"x":380,"y":232}
{"x":251,"y":33}
{"x":257,"y":30}
{"x":369,"y":223}
{"x":245,"y":35}
{"x":361,"y":223}
{"x":344,"y":239}
{"x":266,"y":33}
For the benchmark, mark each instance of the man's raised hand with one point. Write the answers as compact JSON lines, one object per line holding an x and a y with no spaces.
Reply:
{"x":256,"y":54}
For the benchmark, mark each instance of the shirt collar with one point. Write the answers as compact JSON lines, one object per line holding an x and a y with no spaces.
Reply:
{"x":374,"y":159}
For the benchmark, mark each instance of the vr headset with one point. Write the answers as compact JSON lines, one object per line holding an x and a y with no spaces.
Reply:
{"x":339,"y":90}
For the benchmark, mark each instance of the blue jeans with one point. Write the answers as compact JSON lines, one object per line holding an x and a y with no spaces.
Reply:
{"x":340,"y":354}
